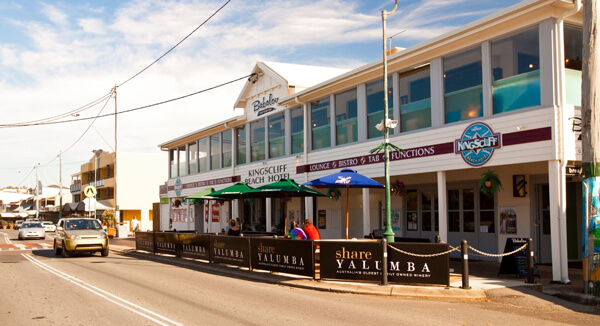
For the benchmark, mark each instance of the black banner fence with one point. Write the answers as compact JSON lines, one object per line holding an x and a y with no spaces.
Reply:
{"x":144,"y":241}
{"x":422,"y":266}
{"x":230,"y":250}
{"x":196,"y":246}
{"x":283,"y":255}
{"x":346,"y":260}
{"x":166,"y":243}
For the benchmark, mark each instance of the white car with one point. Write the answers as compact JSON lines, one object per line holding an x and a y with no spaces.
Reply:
{"x":49,"y":226}
{"x":32,"y":230}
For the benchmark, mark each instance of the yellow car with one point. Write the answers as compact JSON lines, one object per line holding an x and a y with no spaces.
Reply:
{"x":80,"y":235}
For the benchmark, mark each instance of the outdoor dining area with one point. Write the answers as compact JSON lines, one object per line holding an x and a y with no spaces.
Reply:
{"x":348,"y":259}
{"x":285,"y":190}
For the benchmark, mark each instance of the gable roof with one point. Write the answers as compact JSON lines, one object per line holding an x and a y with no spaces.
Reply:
{"x":288,"y":75}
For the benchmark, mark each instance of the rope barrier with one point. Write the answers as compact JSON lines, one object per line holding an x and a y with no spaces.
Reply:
{"x":498,"y":255}
{"x":457,"y":248}
{"x":426,"y":255}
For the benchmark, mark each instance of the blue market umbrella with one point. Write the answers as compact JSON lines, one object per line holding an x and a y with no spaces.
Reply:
{"x":346,"y":178}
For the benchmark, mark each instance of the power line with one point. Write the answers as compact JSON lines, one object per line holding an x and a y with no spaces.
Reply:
{"x":171,"y":49}
{"x":97,"y":101}
{"x":126,"y":111}
{"x":60,"y":116}
{"x":88,"y":128}
{"x":20,"y":183}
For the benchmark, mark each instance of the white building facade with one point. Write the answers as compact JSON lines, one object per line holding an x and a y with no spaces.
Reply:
{"x":502,"y":93}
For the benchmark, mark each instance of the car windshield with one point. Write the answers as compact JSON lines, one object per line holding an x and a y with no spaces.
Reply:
{"x":47,"y":223}
{"x":83,"y":225}
{"x":31,"y":225}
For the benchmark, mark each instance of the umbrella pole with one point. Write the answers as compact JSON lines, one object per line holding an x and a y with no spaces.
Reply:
{"x":347,"y":209}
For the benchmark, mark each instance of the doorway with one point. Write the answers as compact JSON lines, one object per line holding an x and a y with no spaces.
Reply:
{"x":542,"y":230}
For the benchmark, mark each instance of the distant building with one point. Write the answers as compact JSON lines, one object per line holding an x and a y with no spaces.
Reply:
{"x":138,"y":176}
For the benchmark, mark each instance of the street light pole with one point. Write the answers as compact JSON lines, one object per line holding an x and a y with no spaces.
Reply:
{"x":389,"y":233}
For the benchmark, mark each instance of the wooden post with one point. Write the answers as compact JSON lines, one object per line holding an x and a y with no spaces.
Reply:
{"x":590,"y":121}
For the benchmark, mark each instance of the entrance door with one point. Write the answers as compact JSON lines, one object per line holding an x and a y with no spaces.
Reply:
{"x":429,"y":215}
{"x":542,"y":225}
{"x":422,"y":218}
{"x":488,"y":242}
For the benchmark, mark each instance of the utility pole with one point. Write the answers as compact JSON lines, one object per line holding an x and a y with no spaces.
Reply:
{"x":117,"y":214}
{"x":590,"y":99}
{"x":60,"y":194}
{"x":37,"y":192}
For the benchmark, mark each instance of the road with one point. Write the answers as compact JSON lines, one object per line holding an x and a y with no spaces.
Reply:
{"x":40,"y":288}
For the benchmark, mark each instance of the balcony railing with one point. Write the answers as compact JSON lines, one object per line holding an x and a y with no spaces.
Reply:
{"x":75,"y":187}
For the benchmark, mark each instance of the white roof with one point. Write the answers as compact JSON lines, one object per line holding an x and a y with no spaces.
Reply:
{"x":303,"y":75}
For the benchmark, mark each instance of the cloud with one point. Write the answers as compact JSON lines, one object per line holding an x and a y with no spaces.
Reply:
{"x":60,"y":66}
{"x":54,"y":14}
{"x":92,"y":25}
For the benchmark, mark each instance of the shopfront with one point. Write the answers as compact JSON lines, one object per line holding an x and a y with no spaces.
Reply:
{"x":491,"y":97}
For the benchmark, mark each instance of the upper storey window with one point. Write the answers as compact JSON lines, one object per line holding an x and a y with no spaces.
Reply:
{"x":516,"y":71}
{"x":226,"y":141}
{"x":257,"y":140}
{"x":240,"y":134}
{"x":320,"y":123}
{"x":297,"y":115}
{"x":346,"y":127}
{"x":276,"y":135}
{"x":415,"y":100}
{"x":462,"y":86}
{"x":573,"y":57}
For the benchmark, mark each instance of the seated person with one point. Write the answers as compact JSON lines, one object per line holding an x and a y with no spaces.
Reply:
{"x":233,"y":229}
{"x":311,"y":231}
{"x":296,"y":232}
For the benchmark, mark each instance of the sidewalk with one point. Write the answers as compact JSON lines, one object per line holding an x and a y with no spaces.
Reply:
{"x":483,"y":277}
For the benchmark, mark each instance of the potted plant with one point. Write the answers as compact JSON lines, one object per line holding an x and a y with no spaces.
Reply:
{"x":334,"y":193}
{"x":398,"y":188}
{"x":4,"y":224}
{"x":108,"y":219}
{"x":490,"y":183}
{"x":10,"y":225}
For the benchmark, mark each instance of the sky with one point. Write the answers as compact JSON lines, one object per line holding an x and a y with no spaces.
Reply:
{"x":56,"y":57}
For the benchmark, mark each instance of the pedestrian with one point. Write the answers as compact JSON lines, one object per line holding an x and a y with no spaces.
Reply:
{"x":134,"y":224}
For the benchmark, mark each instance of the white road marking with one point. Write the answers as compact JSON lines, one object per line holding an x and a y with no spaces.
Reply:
{"x":104,"y":294}
{"x":6,"y":239}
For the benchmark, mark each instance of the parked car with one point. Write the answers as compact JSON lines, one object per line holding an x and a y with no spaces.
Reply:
{"x":49,"y":226}
{"x":29,"y":230}
{"x":80,"y":235}
{"x":17,"y":224}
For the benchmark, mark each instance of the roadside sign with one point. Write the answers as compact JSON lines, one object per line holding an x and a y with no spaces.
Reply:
{"x":89,"y":191}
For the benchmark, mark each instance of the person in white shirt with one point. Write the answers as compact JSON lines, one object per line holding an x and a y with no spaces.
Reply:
{"x":134,"y":224}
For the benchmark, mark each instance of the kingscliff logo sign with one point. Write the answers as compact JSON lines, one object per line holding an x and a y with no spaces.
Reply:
{"x":477,"y":144}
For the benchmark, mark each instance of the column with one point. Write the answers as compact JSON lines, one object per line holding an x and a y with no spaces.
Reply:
{"x":366,"y":208}
{"x":555,"y":216}
{"x":268,"y":210}
{"x":443,"y":205}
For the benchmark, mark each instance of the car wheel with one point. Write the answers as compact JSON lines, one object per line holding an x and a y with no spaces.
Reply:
{"x":104,"y":252}
{"x":57,"y":250}
{"x":65,"y":252}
